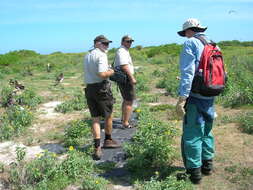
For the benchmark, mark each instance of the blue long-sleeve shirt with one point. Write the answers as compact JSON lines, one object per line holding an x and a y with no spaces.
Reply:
{"x":189,"y":62}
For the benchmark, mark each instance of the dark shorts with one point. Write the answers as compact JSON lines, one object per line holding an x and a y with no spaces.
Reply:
{"x":127,"y":91}
{"x":99,"y":99}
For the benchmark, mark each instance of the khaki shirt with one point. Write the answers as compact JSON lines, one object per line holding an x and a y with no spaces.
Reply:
{"x":95,"y":62}
{"x":123,"y":58}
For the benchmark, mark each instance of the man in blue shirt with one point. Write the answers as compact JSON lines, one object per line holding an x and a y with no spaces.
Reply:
{"x":197,"y":142}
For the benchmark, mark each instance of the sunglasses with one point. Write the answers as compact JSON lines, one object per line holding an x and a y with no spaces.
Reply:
{"x":128,"y":41}
{"x":105,"y":43}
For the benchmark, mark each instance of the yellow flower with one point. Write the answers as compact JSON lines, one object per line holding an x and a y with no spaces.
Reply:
{"x":71,"y":148}
{"x":38,"y":155}
{"x":156,"y":173}
{"x":97,"y":182}
{"x":168,"y":133}
{"x":138,"y":110}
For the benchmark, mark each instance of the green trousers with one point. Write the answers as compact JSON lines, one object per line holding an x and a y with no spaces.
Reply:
{"x":197,"y":143}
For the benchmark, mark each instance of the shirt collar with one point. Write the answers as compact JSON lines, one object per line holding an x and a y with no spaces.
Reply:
{"x":124,"y":47}
{"x":199,"y":34}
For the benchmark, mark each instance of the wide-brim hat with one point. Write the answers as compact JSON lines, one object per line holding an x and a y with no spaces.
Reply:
{"x":102,"y":38}
{"x":191,"y":23}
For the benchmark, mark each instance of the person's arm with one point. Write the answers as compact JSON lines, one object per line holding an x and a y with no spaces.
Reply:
{"x":187,"y":69}
{"x":126,"y":69}
{"x":106,"y":74}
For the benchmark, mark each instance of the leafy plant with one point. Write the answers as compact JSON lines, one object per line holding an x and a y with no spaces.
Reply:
{"x":170,"y":183}
{"x":77,"y":133}
{"x":246,"y":122}
{"x":14,"y":121}
{"x":77,"y":103}
{"x":152,"y":146}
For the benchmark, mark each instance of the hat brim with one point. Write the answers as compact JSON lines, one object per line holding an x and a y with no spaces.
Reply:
{"x":182,"y":32}
{"x":106,"y":41}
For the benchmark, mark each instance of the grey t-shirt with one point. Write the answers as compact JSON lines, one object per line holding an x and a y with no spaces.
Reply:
{"x":95,"y":62}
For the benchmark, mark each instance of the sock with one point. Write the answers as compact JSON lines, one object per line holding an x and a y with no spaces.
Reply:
{"x":108,"y":137}
{"x":96,"y":143}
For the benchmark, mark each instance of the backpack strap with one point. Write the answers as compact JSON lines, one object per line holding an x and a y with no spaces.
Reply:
{"x":204,"y":41}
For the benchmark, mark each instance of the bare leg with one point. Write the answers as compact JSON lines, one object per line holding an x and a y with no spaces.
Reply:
{"x":126,"y":111}
{"x":108,"y":125}
{"x":96,"y":127}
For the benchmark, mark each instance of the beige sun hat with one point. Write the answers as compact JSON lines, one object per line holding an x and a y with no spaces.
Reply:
{"x":191,"y":23}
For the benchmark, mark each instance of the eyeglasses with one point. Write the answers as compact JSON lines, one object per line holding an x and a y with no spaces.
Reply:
{"x":105,"y":43}
{"x":128,"y":41}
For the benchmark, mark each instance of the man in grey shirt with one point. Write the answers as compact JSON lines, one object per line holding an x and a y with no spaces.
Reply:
{"x":98,"y":93}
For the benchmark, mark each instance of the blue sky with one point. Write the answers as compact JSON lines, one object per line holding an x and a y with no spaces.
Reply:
{"x":47,"y":26}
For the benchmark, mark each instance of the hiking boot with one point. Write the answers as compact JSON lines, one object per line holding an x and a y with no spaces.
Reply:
{"x":97,"y":153}
{"x":110,"y":143}
{"x":195,"y":175}
{"x":207,"y":167}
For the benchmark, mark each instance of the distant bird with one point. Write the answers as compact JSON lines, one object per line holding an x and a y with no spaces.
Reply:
{"x":11,"y":82}
{"x":10,"y":98}
{"x":18,"y":85}
{"x":49,"y":67}
{"x":29,"y":71}
{"x":231,"y":12}
{"x":59,"y":79}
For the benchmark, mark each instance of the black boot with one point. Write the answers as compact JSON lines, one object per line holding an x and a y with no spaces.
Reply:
{"x":195,"y":175}
{"x":207,"y":167}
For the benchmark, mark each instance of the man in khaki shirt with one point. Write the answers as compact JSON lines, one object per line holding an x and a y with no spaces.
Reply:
{"x":124,"y":60}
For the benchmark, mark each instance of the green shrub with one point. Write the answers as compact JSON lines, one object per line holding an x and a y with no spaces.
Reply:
{"x":77,"y":103}
{"x":170,"y":183}
{"x":152,"y":146}
{"x":5,"y":92}
{"x":24,"y":98}
{"x":92,"y":182}
{"x":142,"y":83}
{"x":239,"y":88}
{"x":47,"y":172}
{"x":29,"y":98}
{"x":246,"y":123}
{"x":77,"y":164}
{"x":14,"y":121}
{"x":77,"y":133}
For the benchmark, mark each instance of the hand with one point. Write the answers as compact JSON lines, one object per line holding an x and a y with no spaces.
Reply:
{"x":133,"y":81}
{"x":180,"y":106}
{"x":111,"y":72}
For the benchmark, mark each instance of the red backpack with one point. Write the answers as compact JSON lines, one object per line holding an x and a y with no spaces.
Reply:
{"x":210,"y":77}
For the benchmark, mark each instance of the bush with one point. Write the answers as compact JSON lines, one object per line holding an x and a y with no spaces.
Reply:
{"x":24,"y":98}
{"x":92,"y":182}
{"x":47,"y":172}
{"x":170,"y":183}
{"x":239,"y":89}
{"x":77,"y":103}
{"x":77,"y":133}
{"x":29,"y":98}
{"x":246,"y":123}
{"x":152,"y":146}
{"x":14,"y":121}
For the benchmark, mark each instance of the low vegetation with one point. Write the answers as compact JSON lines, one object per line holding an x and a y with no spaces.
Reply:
{"x":152,"y":152}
